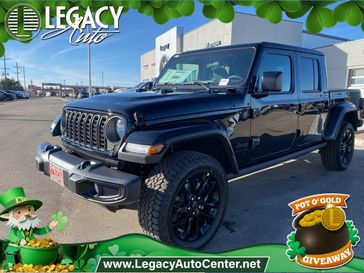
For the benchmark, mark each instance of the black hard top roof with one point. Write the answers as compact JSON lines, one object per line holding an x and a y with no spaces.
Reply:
{"x":259,"y":45}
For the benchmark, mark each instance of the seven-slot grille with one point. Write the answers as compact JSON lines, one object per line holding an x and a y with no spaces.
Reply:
{"x":86,"y":129}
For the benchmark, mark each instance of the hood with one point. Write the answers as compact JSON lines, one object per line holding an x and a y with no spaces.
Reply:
{"x":156,"y":106}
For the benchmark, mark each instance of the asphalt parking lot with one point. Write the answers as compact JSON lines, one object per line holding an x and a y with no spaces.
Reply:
{"x":257,"y":211}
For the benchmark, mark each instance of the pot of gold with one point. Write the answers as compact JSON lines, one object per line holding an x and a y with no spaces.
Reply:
{"x":321,"y":230}
{"x":39,"y":252}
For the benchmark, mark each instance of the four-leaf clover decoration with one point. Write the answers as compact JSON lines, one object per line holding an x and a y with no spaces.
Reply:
{"x":61,"y":219}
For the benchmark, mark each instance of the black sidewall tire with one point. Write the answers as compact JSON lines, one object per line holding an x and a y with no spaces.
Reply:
{"x":160,"y":190}
{"x":330,"y":155}
{"x":346,"y":127}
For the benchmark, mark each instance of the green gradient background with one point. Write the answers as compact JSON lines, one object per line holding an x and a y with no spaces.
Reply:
{"x":140,"y":245}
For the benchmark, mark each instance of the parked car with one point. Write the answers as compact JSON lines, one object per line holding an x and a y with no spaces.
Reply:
{"x":215,"y":114}
{"x":18,"y":94}
{"x":8,"y":96}
{"x":28,"y":94}
{"x":82,"y":95}
{"x":11,"y":96}
{"x":2,"y":96}
{"x":144,"y":86}
{"x":140,"y":87}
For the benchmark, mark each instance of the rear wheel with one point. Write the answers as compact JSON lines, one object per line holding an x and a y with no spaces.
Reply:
{"x":337,"y":155}
{"x":183,"y":200}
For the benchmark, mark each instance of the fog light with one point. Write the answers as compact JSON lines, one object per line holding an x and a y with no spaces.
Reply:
{"x":143,"y":149}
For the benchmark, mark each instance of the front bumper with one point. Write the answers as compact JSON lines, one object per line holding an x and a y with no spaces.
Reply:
{"x":88,"y":179}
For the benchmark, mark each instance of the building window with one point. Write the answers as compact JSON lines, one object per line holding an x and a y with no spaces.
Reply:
{"x":356,"y":77}
{"x":309,"y":74}
{"x":281,"y":63}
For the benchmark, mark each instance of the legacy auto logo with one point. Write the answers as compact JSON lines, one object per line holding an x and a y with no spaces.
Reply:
{"x":23,"y":22}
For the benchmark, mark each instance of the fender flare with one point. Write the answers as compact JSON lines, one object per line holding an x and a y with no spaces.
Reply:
{"x":335,"y":118}
{"x":172,"y":136}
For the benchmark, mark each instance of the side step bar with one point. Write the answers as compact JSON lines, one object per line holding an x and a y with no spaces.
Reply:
{"x":272,"y":162}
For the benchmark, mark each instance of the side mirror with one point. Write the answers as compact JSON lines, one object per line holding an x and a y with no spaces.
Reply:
{"x":150,"y":86}
{"x":272,"y":81}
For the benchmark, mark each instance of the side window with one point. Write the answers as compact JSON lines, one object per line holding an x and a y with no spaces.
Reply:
{"x":278,"y":63}
{"x":356,"y":77}
{"x":309,"y":74}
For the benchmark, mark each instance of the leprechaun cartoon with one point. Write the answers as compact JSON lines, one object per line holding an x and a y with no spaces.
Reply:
{"x":23,"y":222}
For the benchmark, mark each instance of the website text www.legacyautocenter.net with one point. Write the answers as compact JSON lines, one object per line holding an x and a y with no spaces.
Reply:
{"x":182,"y":264}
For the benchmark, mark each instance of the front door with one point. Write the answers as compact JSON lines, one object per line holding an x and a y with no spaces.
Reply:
{"x":274,"y":117}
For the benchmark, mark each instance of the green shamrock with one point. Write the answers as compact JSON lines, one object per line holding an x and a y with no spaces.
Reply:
{"x":319,"y":18}
{"x":114,"y":250}
{"x":272,"y":10}
{"x":61,"y":219}
{"x":353,"y":232}
{"x":66,"y":260}
{"x":91,"y":264}
{"x":294,"y":247}
{"x":349,"y":12}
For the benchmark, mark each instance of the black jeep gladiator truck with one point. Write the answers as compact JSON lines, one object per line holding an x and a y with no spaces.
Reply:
{"x":213,"y":115}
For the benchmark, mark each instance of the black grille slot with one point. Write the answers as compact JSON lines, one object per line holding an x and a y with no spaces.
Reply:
{"x":86,"y":130}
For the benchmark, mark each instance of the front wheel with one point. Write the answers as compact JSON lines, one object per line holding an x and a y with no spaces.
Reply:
{"x":183,"y":200}
{"x":337,"y":155}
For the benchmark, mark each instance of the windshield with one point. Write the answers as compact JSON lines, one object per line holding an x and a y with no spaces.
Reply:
{"x":215,"y":67}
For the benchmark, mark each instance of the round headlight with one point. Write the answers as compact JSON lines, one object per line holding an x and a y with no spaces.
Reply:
{"x":115,"y":129}
{"x":121,"y":128}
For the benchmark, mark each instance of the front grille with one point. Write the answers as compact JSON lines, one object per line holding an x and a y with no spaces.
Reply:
{"x":86,"y":130}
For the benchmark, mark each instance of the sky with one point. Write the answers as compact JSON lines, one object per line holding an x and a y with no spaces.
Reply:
{"x":117,"y":58}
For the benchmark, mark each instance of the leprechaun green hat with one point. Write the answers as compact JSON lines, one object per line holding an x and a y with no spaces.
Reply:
{"x":15,"y":197}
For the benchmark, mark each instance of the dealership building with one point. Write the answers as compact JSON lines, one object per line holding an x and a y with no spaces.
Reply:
{"x":345,"y":65}
{"x":345,"y":58}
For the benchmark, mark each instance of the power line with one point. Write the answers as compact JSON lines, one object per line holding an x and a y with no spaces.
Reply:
{"x":4,"y":67}
{"x":25,"y":84}
{"x":17,"y":71}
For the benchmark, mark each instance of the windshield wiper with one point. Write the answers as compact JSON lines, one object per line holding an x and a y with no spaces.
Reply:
{"x":199,"y":83}
{"x":165,"y":87}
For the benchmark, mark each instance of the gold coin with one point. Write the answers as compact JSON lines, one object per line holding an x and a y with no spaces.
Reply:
{"x":333,"y":218}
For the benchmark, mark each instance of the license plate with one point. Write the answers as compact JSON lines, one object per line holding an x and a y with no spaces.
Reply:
{"x":56,"y":175}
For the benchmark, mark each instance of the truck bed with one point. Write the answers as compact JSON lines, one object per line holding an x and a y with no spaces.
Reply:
{"x":354,"y":95}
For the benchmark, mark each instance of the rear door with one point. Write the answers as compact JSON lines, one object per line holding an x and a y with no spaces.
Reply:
{"x":274,"y":119}
{"x":311,"y":99}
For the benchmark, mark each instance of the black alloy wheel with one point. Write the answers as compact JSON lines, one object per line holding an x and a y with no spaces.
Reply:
{"x":196,"y":206}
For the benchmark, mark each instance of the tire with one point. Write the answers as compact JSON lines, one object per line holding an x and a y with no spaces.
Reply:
{"x":183,"y":191}
{"x":337,"y":155}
